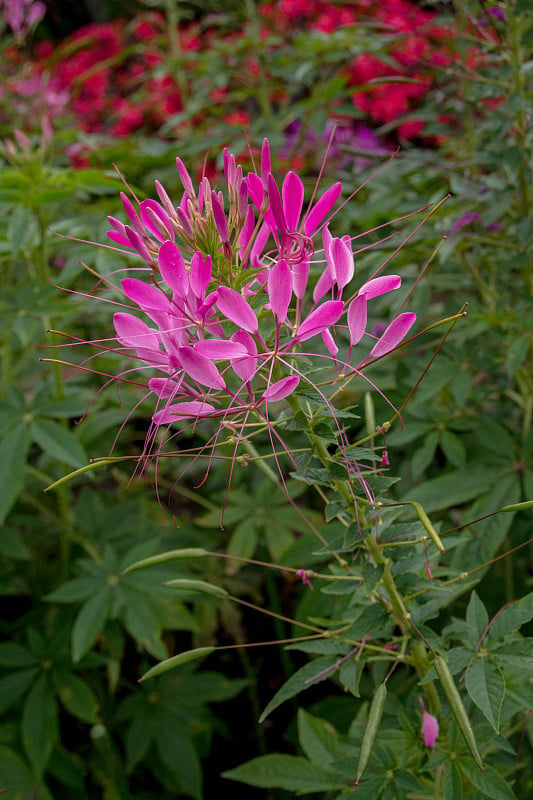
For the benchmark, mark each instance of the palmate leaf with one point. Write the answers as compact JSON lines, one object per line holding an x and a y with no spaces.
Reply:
{"x":90,"y":622}
{"x":15,"y":774}
{"x":39,"y":723}
{"x":489,"y":782}
{"x":293,"y":773}
{"x":486,"y":686}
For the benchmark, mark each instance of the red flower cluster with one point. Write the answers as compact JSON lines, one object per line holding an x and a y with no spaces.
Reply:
{"x":120,"y":83}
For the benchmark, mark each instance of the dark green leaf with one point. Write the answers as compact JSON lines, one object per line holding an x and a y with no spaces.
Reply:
{"x":39,"y":724}
{"x":451,"y":782}
{"x":14,"y":448}
{"x":489,"y":782}
{"x":486,"y":686}
{"x":292,"y":773}
{"x":309,"y":675}
{"x":58,"y":442}
{"x":90,"y":622}
{"x":512,"y":617}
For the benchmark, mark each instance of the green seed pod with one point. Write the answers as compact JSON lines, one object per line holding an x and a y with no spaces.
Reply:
{"x":371,"y":730}
{"x":162,"y":558}
{"x":175,"y":661}
{"x":428,"y":527}
{"x":190,"y":585}
{"x":458,"y":709}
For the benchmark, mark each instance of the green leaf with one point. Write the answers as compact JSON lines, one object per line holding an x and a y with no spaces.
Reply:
{"x":178,"y":753}
{"x":489,"y":782}
{"x":90,"y":622}
{"x":453,"y":448}
{"x":76,"y":696}
{"x":242,"y":544}
{"x":292,"y":773}
{"x":15,"y":655}
{"x":451,"y":782}
{"x":14,"y":685}
{"x":318,"y":739}
{"x":512,"y":617}
{"x":454,"y":488}
{"x":516,"y":354}
{"x":310,"y":674}
{"x":74,"y":591}
{"x":15,"y":774}
{"x":39,"y":726}
{"x":14,"y":448}
{"x":58,"y":442}
{"x":486,"y":686}
{"x":477,"y":618}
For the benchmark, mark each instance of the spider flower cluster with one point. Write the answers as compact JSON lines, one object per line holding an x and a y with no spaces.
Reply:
{"x":227,"y":308}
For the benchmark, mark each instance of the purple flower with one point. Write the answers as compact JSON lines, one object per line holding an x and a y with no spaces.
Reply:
{"x":430,"y":726}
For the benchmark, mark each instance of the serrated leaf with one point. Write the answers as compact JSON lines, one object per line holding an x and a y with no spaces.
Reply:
{"x":293,"y":773}
{"x":90,"y":622}
{"x":486,"y":686}
{"x":477,"y":618}
{"x":58,"y":442}
{"x":14,"y":448}
{"x":309,"y":675}
{"x":39,"y":724}
{"x":350,"y":676}
{"x":318,"y":738}
{"x":451,"y":782}
{"x":512,"y":617}
{"x":489,"y":782}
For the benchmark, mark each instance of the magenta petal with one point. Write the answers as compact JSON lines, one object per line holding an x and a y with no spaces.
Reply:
{"x":256,"y":189}
{"x":430,"y":729}
{"x":300,"y":274}
{"x":322,"y":317}
{"x":323,"y":285}
{"x":329,"y":341}
{"x":164,"y":387}
{"x":156,"y":220}
{"x":266,"y":163}
{"x":220,"y":217}
{"x":185,"y":178}
{"x":172,"y":267}
{"x":280,"y":289}
{"x":200,"y":368}
{"x":281,"y":389}
{"x":133,"y":332}
{"x":342,"y":257}
{"x":382,"y":285}
{"x":200,"y":274}
{"x":146,"y":296}
{"x":276,"y":205}
{"x":179,"y":411}
{"x":220,"y":348}
{"x":357,"y":317}
{"x":292,"y":193}
{"x":245,"y":367}
{"x":394,"y":334}
{"x":235,"y":308}
{"x":322,"y":208}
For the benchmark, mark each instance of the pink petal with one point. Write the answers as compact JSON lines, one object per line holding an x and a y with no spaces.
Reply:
{"x":185,"y":178}
{"x":329,"y":341}
{"x":235,"y":308}
{"x":300,"y":274}
{"x":292,"y":193}
{"x":276,"y":205}
{"x":133,"y":332}
{"x":323,"y":285}
{"x":357,"y":317}
{"x":280,"y":289}
{"x":200,"y":368}
{"x":266,"y":164}
{"x":245,"y":367}
{"x":172,"y":267}
{"x":342,"y":257}
{"x":180,"y":411}
{"x":164,"y":387}
{"x":200,"y":274}
{"x":146,"y":296}
{"x":394,"y":334}
{"x":281,"y":389}
{"x":322,"y":208}
{"x":430,"y":726}
{"x":256,"y":189}
{"x":220,"y":217}
{"x":382,"y":285}
{"x":220,"y":349}
{"x":322,"y":317}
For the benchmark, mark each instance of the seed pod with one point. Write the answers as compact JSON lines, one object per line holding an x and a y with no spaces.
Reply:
{"x":428,"y":527}
{"x":458,"y":709}
{"x":175,"y":661}
{"x":191,"y":585}
{"x":371,"y":730}
{"x":162,"y":558}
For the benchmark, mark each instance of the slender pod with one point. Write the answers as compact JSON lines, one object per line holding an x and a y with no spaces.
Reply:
{"x":428,"y":527}
{"x":458,"y":709}
{"x":192,"y":585}
{"x":162,"y":558}
{"x":175,"y":661}
{"x":371,"y":730}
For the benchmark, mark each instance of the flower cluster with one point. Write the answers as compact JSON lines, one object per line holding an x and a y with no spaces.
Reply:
{"x":228,"y":309}
{"x":119,"y":83}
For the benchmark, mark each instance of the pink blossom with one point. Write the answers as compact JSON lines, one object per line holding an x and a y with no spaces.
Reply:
{"x":430,"y":726}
